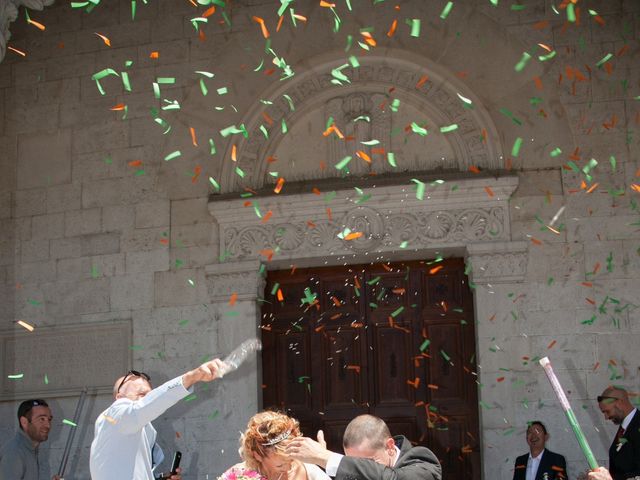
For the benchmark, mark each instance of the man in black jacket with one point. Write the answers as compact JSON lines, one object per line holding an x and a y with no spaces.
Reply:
{"x":371,"y":454}
{"x":624,"y":453}
{"x":539,"y":463}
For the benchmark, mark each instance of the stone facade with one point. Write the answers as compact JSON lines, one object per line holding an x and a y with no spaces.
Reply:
{"x":102,"y":228}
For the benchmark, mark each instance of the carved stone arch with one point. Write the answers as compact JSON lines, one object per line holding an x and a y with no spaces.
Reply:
{"x":475,"y":142}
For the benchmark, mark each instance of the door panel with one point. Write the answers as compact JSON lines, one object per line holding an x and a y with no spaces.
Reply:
{"x":395,"y":340}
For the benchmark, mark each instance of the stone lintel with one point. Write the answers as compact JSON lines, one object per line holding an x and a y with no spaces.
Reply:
{"x":387,"y":220}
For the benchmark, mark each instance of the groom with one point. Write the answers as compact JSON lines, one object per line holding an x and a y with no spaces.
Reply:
{"x":371,"y":454}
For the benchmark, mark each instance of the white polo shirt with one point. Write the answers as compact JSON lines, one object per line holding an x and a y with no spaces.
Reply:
{"x":124,"y":436}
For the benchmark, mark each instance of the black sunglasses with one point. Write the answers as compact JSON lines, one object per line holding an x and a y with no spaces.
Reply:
{"x":133,"y":373}
{"x":602,"y":398}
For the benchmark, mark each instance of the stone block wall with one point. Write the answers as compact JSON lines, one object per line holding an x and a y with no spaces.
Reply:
{"x":96,"y":225}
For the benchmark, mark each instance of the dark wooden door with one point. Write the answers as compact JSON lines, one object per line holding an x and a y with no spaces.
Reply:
{"x":395,"y":340}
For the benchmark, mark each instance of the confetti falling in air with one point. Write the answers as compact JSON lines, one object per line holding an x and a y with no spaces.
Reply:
{"x":69,"y":422}
{"x":26,"y":325}
{"x":197,"y":120}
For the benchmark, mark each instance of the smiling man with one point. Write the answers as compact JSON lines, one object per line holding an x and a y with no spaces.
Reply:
{"x":624,"y":453}
{"x":539,"y":463}
{"x":124,"y":444}
{"x":19,"y":458}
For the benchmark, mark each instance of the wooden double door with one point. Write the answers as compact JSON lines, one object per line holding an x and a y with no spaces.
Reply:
{"x":395,"y":340}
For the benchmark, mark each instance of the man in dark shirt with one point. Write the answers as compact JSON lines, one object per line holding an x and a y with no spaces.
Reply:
{"x":371,"y":454}
{"x":624,"y":453}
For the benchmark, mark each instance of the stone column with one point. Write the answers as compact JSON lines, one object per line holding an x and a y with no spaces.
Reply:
{"x":235,"y":288}
{"x":497,"y":270}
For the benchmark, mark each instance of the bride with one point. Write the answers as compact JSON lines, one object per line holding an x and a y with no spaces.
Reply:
{"x":262,"y":449}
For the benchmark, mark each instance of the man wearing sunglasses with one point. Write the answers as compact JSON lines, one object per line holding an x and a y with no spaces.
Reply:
{"x":19,"y":458}
{"x":624,"y":453}
{"x":124,"y":439}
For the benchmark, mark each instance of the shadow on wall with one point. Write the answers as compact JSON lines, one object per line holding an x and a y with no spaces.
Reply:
{"x":596,"y":425}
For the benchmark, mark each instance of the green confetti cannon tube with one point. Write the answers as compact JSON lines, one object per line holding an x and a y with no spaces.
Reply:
{"x":571,"y":417}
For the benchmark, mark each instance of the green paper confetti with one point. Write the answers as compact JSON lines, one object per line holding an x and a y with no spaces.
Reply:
{"x":445,"y":12}
{"x":449,"y":128}
{"x":172,"y":155}
{"x":523,"y":62}
{"x":343,"y":163}
{"x":415,"y":27}
{"x":515,"y":150}
{"x":466,"y":101}
{"x":391,"y":158}
{"x":571,"y":13}
{"x":604,"y":60}
{"x":69,"y":422}
{"x":415,"y":128}
{"x":555,"y":152}
{"x":16,"y":376}
{"x":419,"y":189}
{"x":397,"y":312}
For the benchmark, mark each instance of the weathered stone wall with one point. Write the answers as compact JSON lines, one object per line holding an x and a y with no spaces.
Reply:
{"x":96,"y":226}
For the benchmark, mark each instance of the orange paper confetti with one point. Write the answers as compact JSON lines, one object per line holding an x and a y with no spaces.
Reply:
{"x":263,"y":27}
{"x":106,"y":41}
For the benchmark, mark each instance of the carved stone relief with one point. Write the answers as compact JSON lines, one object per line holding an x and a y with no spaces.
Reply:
{"x":367,"y":91}
{"x":393,"y":219}
{"x":380,"y":232}
{"x":239,"y":277}
{"x":499,"y":262}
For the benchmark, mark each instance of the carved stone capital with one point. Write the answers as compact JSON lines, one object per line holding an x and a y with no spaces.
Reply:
{"x":8,"y":14}
{"x":499,"y":262}
{"x":242,"y":278}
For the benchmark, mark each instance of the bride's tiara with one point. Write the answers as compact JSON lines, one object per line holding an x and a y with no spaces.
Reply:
{"x":278,"y":439}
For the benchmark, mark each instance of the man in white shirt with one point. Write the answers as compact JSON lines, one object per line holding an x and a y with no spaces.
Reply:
{"x":371,"y":454}
{"x":539,"y":463}
{"x":124,"y":437}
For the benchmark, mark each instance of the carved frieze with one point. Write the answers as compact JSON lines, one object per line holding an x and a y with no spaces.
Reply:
{"x":498,"y":263}
{"x":242,"y":278}
{"x":380,"y":232}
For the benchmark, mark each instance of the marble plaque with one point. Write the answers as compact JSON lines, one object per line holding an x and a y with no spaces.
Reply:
{"x":60,"y":361}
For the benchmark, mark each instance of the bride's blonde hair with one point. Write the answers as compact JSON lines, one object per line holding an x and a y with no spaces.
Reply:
{"x":266,"y":432}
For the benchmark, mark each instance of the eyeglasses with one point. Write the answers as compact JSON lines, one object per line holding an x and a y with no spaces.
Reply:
{"x":602,"y":398}
{"x":133,"y":373}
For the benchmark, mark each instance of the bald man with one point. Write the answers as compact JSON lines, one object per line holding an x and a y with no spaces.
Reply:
{"x":624,"y":453}
{"x":371,"y":453}
{"x":124,"y":441}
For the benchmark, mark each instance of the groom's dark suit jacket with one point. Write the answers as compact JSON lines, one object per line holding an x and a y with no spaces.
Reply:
{"x":624,"y":460}
{"x":551,"y":463}
{"x":414,"y":463}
